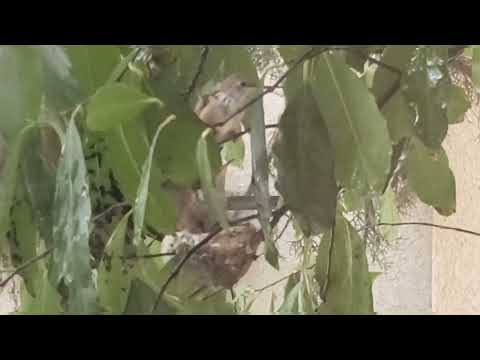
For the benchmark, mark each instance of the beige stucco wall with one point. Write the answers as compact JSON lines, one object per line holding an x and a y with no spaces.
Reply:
{"x":456,"y":256}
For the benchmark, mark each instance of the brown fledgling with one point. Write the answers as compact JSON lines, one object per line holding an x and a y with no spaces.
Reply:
{"x":232,"y":94}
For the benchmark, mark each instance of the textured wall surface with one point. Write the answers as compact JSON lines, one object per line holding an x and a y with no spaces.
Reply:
{"x":456,"y":256}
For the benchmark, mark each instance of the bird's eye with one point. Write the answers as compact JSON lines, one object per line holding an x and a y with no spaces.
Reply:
{"x":243,"y":83}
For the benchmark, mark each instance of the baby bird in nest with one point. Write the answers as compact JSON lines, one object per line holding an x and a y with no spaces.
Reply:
{"x":232,"y":94}
{"x":224,"y":260}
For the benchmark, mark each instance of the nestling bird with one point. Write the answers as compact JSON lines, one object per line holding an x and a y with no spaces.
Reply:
{"x":231,"y":95}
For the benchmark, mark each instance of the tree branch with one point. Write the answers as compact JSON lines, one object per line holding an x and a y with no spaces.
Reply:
{"x":24,"y":266}
{"x":203,"y":59}
{"x":246,"y":131}
{"x":190,"y":253}
{"x":465,"y":231}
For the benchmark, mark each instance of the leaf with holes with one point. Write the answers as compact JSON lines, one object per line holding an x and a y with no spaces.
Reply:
{"x":357,"y":129}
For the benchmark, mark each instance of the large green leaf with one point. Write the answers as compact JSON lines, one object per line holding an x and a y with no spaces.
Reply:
{"x":143,"y":188}
{"x":334,"y":270}
{"x":92,"y":65}
{"x":305,"y":163}
{"x":399,"y":114}
{"x":141,"y":298}
{"x":21,"y":87}
{"x":215,"y":197}
{"x":343,"y":272}
{"x":357,"y":129}
{"x":72,"y":213}
{"x":388,"y":210}
{"x":234,"y":152}
{"x":127,"y":151}
{"x":177,"y":159}
{"x":260,"y":178}
{"x":116,"y":104}
{"x":8,"y":180}
{"x":476,"y":65}
{"x":47,"y":299}
{"x":427,"y":87}
{"x":430,"y":176}
{"x":25,"y":242}
{"x":457,"y":105}
{"x":290,"y":305}
{"x":113,"y":279}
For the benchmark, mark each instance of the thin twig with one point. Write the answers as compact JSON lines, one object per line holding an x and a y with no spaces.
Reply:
{"x":277,"y":215}
{"x":380,"y":63}
{"x":190,"y":253}
{"x":24,"y":266}
{"x":277,"y":282}
{"x":246,"y":131}
{"x":203,"y":59}
{"x":279,"y":236}
{"x":465,"y":231}
{"x":148,"y":256}
{"x":111,"y":208}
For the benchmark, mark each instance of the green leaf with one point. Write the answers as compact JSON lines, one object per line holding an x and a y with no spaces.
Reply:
{"x":142,"y":193}
{"x":46,"y":301}
{"x":127,"y":150}
{"x":388,"y":214}
{"x":8,"y":181}
{"x":177,"y":159}
{"x":357,"y":129}
{"x":457,"y":105}
{"x":260,"y":171}
{"x":21,"y":89}
{"x":399,"y":114}
{"x":290,"y":305}
{"x":305,"y":163}
{"x":113,"y":279}
{"x":348,"y":288}
{"x":122,"y":66}
{"x":25,"y":243}
{"x":476,"y":65}
{"x":39,"y":182}
{"x":427,"y":86}
{"x":141,"y":298}
{"x":72,"y":214}
{"x":234,"y":152}
{"x":430,"y":176}
{"x":92,"y":65}
{"x":362,"y":297}
{"x":215,"y":197}
{"x":116,"y":104}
